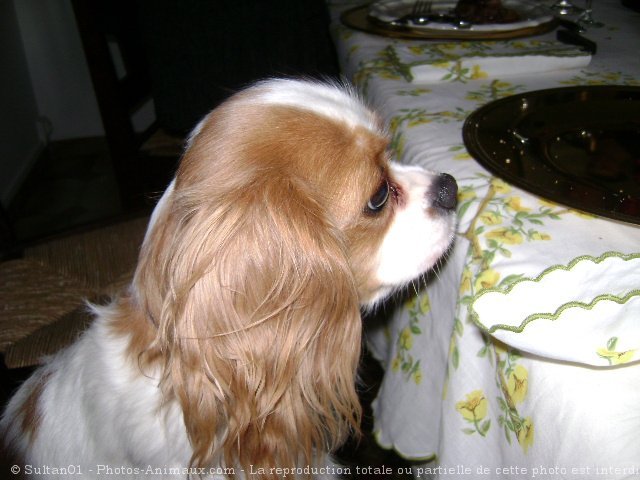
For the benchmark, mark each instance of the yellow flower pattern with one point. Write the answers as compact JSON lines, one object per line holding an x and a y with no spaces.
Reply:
{"x":500,"y":186}
{"x":474,"y":409}
{"x":540,"y":236}
{"x":491,"y":218}
{"x":525,"y":434}
{"x":406,"y":339}
{"x":513,"y":381}
{"x":465,"y":282}
{"x":477,"y":73}
{"x":613,"y":356}
{"x":487,"y":279}
{"x":503,"y":221}
{"x":462,"y":156}
{"x":514,"y":203}
{"x":509,"y":236}
{"x":518,"y":384}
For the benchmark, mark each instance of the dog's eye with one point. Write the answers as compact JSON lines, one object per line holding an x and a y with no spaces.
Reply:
{"x":379,"y":199}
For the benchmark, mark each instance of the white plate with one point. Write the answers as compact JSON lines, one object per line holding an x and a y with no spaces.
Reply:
{"x":531,"y":14}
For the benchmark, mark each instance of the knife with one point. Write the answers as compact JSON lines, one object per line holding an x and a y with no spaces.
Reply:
{"x":570,"y":25}
{"x":574,"y":38}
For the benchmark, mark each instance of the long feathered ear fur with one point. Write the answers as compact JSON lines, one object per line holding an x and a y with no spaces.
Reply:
{"x":257,"y":317}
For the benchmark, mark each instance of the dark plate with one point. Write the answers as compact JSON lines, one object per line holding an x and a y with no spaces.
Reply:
{"x":578,"y":146}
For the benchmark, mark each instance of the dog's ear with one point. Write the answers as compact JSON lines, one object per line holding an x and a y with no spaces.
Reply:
{"x":258,"y":321}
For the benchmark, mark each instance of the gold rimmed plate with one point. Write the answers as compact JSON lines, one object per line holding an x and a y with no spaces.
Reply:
{"x":359,"y":18}
{"x":523,"y":14}
{"x":577,"y":146}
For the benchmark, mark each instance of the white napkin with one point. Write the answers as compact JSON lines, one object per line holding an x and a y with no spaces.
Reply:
{"x":586,"y":312}
{"x":464,"y":61}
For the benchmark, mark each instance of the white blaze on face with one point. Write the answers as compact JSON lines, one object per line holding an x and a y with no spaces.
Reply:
{"x":419,"y":233}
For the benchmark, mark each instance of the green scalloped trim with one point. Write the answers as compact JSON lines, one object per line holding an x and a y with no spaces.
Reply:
{"x":554,"y":316}
{"x":412,"y":458}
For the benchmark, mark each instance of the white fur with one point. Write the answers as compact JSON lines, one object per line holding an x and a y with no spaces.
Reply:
{"x":320,"y":98}
{"x":417,"y":237}
{"x":93,"y":395}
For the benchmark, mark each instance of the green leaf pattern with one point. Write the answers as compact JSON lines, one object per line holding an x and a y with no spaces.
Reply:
{"x":404,"y":361}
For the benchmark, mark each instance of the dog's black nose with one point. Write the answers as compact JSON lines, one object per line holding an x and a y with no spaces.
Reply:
{"x":445,"y":192}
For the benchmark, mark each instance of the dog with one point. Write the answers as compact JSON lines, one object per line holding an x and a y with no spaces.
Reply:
{"x":235,"y":349}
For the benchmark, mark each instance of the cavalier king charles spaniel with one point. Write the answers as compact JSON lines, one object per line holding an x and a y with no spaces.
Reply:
{"x":236,"y":347}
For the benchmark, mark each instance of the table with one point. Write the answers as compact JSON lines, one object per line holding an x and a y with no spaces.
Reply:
{"x":506,"y":403}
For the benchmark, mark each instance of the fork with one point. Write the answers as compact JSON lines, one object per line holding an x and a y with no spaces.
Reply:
{"x":419,"y":10}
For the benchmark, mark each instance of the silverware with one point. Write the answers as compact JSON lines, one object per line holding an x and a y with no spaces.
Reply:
{"x":422,"y":13}
{"x":564,"y":7}
{"x":419,"y":9}
{"x":570,"y":25}
{"x":586,"y":17}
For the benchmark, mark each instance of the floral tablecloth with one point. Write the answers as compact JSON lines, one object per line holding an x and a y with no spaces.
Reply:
{"x":483,"y":378}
